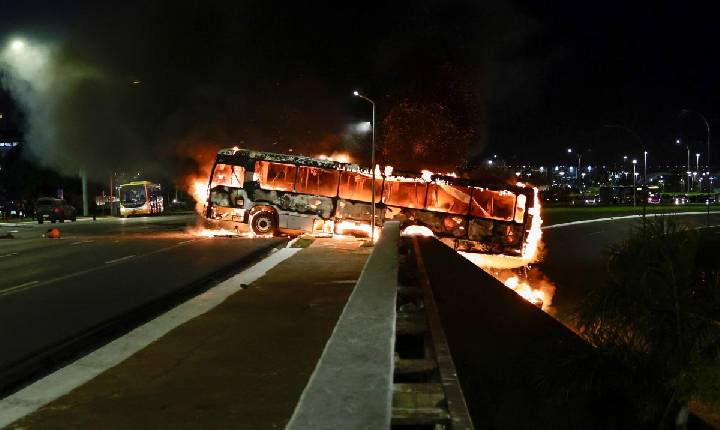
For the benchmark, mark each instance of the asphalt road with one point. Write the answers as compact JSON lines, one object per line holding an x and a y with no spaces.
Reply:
{"x":575,"y":255}
{"x":55,"y":290}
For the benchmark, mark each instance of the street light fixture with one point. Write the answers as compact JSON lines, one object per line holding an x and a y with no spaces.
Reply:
{"x":579,"y":157}
{"x":17,"y":44}
{"x":634,"y":162}
{"x":697,"y":162}
{"x":707,"y":127}
{"x":372,"y":164}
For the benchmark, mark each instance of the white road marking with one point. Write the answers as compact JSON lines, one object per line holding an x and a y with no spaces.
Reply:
{"x":590,"y":221}
{"x":81,"y":242}
{"x":21,"y":286}
{"x":14,"y":290}
{"x":117,"y":260}
{"x":61,"y":382}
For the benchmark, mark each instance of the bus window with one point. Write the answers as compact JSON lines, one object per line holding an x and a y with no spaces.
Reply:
{"x":321,"y":182}
{"x":454,"y":199}
{"x":409,"y":194}
{"x":493,"y":204}
{"x":356,"y":186}
{"x":221,"y":195}
{"x":226,"y":174}
{"x":275,"y":176}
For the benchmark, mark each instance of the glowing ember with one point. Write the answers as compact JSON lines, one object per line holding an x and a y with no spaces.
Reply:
{"x":350,"y":227}
{"x":417,"y":230}
{"x":524,"y":290}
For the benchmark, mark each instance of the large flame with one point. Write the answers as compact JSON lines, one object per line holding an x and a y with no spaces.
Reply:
{"x":512,"y":271}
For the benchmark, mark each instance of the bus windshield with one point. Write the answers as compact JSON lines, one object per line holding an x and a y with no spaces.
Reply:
{"x":132,"y":196}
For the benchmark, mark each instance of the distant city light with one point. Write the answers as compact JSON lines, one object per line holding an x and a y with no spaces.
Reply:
{"x":490,"y":162}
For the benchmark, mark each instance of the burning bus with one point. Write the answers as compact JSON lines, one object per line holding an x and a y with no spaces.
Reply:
{"x":289,"y":193}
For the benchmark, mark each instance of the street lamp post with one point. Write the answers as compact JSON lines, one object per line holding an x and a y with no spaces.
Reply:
{"x":634,"y":187}
{"x":697,"y":163}
{"x":707,"y":127}
{"x":644,"y":168}
{"x":372,"y":164}
{"x":577,"y":172}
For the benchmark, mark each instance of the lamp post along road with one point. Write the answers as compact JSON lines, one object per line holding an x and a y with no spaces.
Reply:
{"x":707,"y":127}
{"x":697,"y":167}
{"x":372,"y":165}
{"x":634,"y":186}
{"x":577,"y":172}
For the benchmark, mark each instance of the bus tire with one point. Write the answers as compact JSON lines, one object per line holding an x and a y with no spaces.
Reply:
{"x":263,"y":223}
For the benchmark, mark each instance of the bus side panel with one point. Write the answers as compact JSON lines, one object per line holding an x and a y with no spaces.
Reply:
{"x":292,"y":202}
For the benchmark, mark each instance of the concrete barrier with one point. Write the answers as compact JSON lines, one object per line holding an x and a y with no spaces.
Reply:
{"x":351,"y":387}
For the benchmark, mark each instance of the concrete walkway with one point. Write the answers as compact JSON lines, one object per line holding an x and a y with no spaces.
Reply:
{"x":243,"y":365}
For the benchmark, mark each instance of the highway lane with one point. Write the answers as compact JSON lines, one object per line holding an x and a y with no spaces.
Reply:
{"x":575,"y":255}
{"x":52,"y":290}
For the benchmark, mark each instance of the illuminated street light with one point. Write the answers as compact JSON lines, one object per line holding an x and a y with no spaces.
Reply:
{"x":634,"y":175}
{"x":707,"y":127}
{"x":697,"y":162}
{"x":363,"y":127}
{"x":372,"y":164}
{"x":17,"y":44}
{"x":579,"y":157}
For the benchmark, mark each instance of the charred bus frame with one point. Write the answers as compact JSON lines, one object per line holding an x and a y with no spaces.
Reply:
{"x":274,"y":192}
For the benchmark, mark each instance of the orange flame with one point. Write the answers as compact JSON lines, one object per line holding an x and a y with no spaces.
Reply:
{"x":524,"y":290}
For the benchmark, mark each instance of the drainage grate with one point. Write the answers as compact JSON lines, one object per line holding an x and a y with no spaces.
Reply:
{"x":426,"y":391}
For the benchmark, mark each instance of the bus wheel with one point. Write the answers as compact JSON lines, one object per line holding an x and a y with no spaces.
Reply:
{"x":263,"y":223}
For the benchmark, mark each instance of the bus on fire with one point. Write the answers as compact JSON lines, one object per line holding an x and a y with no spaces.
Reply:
{"x":288,"y":193}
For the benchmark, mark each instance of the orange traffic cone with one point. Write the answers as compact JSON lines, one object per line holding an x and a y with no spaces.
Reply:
{"x":53,"y":233}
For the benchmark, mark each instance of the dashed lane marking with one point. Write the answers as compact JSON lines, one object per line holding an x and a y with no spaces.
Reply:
{"x":21,"y":286}
{"x":79,"y":242}
{"x":28,"y":285}
{"x":117,"y":260}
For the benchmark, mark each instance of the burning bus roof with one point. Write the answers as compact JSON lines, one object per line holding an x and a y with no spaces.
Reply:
{"x":229,"y":155}
{"x":240,"y":156}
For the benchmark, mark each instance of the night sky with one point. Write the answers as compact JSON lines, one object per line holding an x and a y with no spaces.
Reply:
{"x":453,"y":81}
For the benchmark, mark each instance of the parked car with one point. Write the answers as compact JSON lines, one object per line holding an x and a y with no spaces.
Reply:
{"x":54,"y":210}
